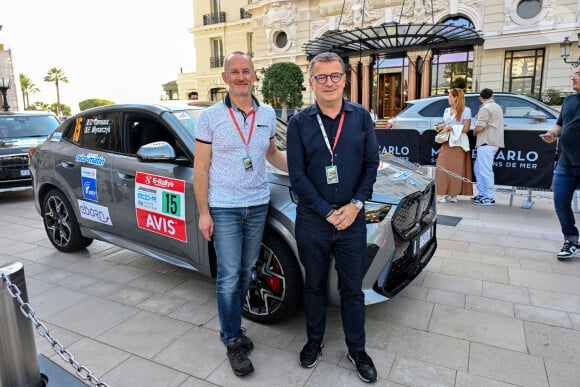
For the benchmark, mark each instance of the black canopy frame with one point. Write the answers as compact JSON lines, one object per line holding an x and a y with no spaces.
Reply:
{"x":393,"y":37}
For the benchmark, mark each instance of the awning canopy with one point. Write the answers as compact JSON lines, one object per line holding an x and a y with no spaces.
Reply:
{"x":393,"y":37}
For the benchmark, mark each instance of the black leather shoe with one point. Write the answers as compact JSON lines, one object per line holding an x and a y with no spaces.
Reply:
{"x":309,"y":354}
{"x":364,"y":365}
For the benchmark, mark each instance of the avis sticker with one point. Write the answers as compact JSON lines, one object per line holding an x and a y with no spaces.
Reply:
{"x":160,"y":205}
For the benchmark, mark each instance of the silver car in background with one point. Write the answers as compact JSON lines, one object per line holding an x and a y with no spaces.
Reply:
{"x":520,"y":112}
{"x":124,"y":174}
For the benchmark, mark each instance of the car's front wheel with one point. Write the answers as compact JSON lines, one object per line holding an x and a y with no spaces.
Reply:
{"x":60,"y":223}
{"x":276,"y":287}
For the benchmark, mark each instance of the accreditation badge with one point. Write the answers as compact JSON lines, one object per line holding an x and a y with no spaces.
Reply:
{"x":331,"y":174}
{"x":248,"y":164}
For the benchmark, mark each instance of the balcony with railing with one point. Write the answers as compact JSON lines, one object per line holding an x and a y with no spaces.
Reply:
{"x":214,"y":18}
{"x":245,"y":14}
{"x":216,"y":61}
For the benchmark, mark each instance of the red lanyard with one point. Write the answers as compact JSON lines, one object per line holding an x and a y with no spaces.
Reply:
{"x":253,"y":113}
{"x":326,"y":137}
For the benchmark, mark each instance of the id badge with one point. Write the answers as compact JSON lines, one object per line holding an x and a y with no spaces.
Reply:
{"x":331,"y":174}
{"x":248,"y":164}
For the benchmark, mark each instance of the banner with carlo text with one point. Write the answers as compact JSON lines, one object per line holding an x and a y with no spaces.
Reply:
{"x":526,"y":160}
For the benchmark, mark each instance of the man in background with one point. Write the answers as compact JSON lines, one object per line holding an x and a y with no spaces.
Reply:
{"x":193,"y":95}
{"x":567,"y":173}
{"x":489,"y":131}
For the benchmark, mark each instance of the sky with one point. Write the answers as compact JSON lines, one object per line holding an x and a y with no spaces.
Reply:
{"x":118,"y":50}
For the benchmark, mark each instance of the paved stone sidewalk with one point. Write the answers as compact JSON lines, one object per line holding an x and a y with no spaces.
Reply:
{"x":493,"y":308}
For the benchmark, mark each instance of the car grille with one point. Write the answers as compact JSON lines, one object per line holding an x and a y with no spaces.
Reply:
{"x":413,"y":217}
{"x":11,"y":168}
{"x":413,"y":212}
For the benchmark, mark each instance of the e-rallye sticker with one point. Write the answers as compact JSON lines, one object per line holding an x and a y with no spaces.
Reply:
{"x":160,"y":205}
{"x":89,"y":182}
{"x":94,"y":212}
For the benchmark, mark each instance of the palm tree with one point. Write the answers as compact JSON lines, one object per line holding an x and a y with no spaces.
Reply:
{"x":27,"y":87}
{"x":56,"y":75}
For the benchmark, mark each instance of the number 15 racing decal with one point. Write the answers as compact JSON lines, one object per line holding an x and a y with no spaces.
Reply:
{"x":160,"y":205}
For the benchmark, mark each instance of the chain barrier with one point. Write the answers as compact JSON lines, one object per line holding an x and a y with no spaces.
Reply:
{"x":512,"y":191}
{"x":82,"y":372}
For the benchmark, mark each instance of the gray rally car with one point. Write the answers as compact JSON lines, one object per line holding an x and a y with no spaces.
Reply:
{"x":124,"y":174}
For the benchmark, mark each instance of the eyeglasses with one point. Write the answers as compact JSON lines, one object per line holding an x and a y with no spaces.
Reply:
{"x":235,"y":73}
{"x":334,"y":77}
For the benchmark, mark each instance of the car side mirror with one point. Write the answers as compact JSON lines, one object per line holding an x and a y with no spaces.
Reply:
{"x":537,"y":115}
{"x":156,"y":151}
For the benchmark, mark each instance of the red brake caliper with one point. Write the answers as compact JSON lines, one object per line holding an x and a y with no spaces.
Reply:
{"x":275,"y":283}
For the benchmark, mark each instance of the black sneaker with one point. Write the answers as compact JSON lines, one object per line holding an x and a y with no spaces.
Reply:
{"x":243,"y":339}
{"x":569,"y":250}
{"x":238,"y":357}
{"x":309,"y":354}
{"x":364,"y":365}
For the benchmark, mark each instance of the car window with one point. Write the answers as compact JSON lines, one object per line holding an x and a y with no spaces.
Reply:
{"x":188,"y":119}
{"x":473,"y":103}
{"x":517,"y":107}
{"x":98,"y":132}
{"x":142,"y":129}
{"x":27,"y":126}
{"x":101,"y":133}
{"x":435,"y":108}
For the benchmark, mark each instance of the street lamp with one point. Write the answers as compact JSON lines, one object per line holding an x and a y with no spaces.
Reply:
{"x":566,"y":50}
{"x":4,"y":86}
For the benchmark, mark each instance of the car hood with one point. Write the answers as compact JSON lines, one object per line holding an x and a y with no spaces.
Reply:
{"x":396,"y":179}
{"x":9,"y":145}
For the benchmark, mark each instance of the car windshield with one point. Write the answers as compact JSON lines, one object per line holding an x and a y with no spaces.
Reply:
{"x":27,"y":126}
{"x":188,"y":119}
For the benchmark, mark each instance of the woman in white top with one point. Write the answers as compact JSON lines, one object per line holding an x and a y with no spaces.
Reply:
{"x":454,"y":155}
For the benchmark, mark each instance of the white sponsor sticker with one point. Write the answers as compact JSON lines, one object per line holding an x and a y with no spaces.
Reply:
{"x":94,"y":212}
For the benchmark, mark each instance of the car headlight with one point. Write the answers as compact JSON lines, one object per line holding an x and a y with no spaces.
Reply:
{"x":376,"y":212}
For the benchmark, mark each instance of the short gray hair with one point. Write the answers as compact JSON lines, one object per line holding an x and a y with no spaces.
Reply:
{"x":235,"y":53}
{"x":325,"y":57}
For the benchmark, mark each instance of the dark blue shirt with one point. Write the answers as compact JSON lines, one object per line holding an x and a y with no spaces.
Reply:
{"x":356,"y":157}
{"x":569,"y":120}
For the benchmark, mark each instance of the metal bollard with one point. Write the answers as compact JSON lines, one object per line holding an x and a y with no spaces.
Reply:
{"x":18,"y":362}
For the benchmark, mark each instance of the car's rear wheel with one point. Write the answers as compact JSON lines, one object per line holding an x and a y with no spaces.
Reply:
{"x":276,"y":287}
{"x":60,"y":223}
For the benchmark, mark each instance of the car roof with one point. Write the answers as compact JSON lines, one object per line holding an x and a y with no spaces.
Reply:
{"x":28,"y":113}
{"x":154,"y":108}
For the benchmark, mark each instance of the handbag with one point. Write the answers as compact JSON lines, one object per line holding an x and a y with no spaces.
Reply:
{"x":441,"y":138}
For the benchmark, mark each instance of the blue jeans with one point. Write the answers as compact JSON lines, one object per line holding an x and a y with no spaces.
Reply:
{"x":566,"y":180}
{"x":318,"y":241}
{"x":237,"y":239}
{"x":483,"y":170}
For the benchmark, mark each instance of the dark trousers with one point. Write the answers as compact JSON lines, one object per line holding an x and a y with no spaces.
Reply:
{"x":318,"y":241}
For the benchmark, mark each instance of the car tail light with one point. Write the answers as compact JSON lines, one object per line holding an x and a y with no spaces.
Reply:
{"x":388,"y":125}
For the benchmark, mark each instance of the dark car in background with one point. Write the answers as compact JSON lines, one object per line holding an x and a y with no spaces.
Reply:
{"x":124,"y":174}
{"x":19,"y":131}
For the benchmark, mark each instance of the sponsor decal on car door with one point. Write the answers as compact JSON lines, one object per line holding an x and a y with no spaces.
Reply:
{"x":160,"y":205}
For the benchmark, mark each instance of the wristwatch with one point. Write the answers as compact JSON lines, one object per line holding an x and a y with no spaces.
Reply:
{"x":357,"y":203}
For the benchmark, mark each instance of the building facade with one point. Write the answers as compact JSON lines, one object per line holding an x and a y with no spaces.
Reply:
{"x":7,"y":72}
{"x":395,"y":50}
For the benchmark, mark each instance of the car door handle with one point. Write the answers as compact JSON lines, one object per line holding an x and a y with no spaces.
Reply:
{"x":67,"y":164}
{"x":125,"y":176}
